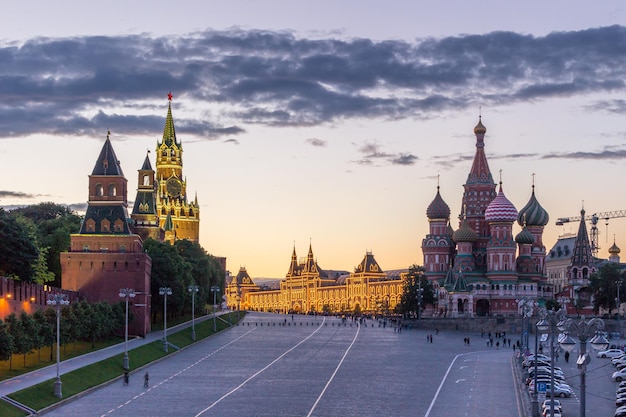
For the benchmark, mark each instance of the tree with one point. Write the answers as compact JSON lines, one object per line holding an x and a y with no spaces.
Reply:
{"x":6,"y":342}
{"x":169,"y":269}
{"x":54,"y":224}
{"x":604,"y":285}
{"x":31,"y":329}
{"x":21,"y":340}
{"x":45,"y":331}
{"x":19,"y":251}
{"x":415,"y":282}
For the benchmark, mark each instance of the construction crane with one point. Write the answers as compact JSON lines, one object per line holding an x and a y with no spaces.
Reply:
{"x":593,"y":219}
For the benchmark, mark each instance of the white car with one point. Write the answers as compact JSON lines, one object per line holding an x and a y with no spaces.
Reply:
{"x":619,"y":375}
{"x":556,"y":404}
{"x":610,"y":353}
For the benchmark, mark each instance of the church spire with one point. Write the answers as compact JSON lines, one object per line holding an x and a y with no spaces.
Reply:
{"x":581,"y":255}
{"x":169,"y":133}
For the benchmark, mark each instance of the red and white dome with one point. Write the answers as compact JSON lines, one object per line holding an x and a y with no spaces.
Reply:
{"x":501,"y":209}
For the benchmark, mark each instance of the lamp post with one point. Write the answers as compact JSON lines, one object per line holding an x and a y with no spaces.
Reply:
{"x":535,"y":402}
{"x":419,"y":298}
{"x":58,"y":300}
{"x":583,"y":330}
{"x":525,"y":306}
{"x":126,"y":293}
{"x":214,"y":289}
{"x":193,"y":289}
{"x":165,"y":291}
{"x":618,"y":283}
{"x":549,"y":323}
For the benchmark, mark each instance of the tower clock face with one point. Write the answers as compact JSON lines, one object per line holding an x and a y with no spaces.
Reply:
{"x":174,"y":187}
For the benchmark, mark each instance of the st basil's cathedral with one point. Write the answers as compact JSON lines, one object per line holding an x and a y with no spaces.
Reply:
{"x":482,"y":269}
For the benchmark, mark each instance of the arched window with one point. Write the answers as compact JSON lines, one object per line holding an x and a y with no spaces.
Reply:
{"x":99,"y":190}
{"x":112,"y":190}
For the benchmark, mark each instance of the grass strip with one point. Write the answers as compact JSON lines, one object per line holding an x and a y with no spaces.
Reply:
{"x":42,"y":395}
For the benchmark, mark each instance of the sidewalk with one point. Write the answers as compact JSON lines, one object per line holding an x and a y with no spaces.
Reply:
{"x":21,"y":382}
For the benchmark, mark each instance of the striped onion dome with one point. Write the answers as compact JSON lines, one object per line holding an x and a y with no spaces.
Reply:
{"x":501,"y":209}
{"x":464,"y":234}
{"x":438,"y":209}
{"x":525,"y":237}
{"x":532,"y":213}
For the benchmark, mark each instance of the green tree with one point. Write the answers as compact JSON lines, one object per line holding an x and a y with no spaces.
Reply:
{"x":415,"y":282}
{"x":18,"y":249}
{"x":45,"y":329}
{"x":169,"y":269}
{"x":6,"y":342}
{"x":31,"y":329}
{"x":604,"y":285}
{"x":54,"y":225}
{"x":21,"y":340}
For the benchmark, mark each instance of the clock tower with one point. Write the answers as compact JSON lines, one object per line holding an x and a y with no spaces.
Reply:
{"x":172,"y":201}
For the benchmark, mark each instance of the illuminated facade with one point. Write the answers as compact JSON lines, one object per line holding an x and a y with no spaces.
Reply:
{"x":307,"y":288}
{"x":163,"y":209}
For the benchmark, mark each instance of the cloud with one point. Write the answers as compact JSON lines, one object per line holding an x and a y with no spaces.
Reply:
{"x":17,"y":194}
{"x":373,"y":155}
{"x":316,"y":142}
{"x":86,"y":85}
{"x":231,"y":140}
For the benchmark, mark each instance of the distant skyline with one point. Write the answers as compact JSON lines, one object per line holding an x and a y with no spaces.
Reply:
{"x":325,"y":123}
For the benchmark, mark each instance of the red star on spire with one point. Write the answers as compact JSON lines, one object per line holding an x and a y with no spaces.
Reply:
{"x":169,"y":96}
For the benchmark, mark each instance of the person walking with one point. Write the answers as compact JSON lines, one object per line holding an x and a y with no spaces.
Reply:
{"x":126,"y":378}
{"x":146,"y":379}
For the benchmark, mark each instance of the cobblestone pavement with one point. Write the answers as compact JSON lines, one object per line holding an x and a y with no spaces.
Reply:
{"x":278,"y":365}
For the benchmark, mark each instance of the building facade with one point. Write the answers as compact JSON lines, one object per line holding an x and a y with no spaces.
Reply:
{"x":307,"y":288}
{"x":105,"y":255}
{"x":483,"y":268}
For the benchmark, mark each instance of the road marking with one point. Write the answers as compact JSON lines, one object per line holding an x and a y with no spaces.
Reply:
{"x":443,"y":380}
{"x":459,"y":380}
{"x":237,"y":388}
{"x":358,"y":328}
{"x":170,"y":377}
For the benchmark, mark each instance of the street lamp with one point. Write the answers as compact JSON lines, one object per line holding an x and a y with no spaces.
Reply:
{"x":214,"y":289}
{"x":549,"y":323}
{"x":126,"y":293}
{"x":165,"y":291}
{"x":419,"y":298}
{"x":193,"y":289}
{"x":526,"y":309}
{"x":618,"y":283}
{"x":58,"y":300}
{"x":583,"y":330}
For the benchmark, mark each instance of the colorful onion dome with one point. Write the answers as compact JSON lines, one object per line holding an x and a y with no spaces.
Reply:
{"x":480,"y":128}
{"x":614,"y":250}
{"x":532,"y":213}
{"x":438,"y":209}
{"x":464,"y":234}
{"x":501,"y":209}
{"x":525,"y":237}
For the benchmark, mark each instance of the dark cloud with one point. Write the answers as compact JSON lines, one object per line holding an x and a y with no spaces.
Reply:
{"x":86,"y":85}
{"x":231,"y":140}
{"x":316,"y":142}
{"x":372,"y":155}
{"x":17,"y":194}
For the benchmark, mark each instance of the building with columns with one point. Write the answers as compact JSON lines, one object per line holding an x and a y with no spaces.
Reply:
{"x":483,"y":268}
{"x":307,"y":288}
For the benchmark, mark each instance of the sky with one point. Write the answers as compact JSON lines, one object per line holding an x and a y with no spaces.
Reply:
{"x":326,"y":123}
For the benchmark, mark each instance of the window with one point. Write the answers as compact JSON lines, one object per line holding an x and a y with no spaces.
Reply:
{"x":99,"y":190}
{"x":112,"y":190}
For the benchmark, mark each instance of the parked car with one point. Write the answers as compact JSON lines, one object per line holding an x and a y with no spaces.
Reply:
{"x":560,"y":390}
{"x":554,"y":402}
{"x":610,"y":353}
{"x":619,"y":360}
{"x":620,"y":412}
{"x":619,"y":375}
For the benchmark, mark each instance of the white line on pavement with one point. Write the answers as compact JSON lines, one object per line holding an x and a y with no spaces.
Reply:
{"x":335,"y":372}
